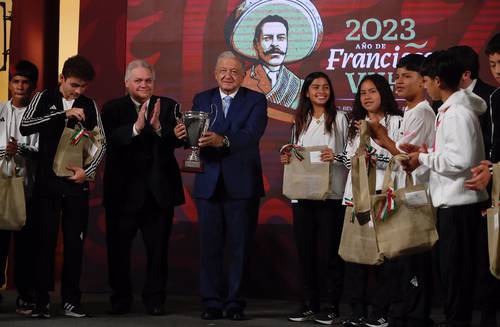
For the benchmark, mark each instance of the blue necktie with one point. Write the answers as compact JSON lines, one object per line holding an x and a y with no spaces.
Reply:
{"x":226,"y":102}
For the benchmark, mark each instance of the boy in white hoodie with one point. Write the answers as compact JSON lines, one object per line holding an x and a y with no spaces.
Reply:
{"x":458,"y":147}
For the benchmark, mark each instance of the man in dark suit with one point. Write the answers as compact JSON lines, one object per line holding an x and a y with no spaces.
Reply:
{"x":488,"y":287}
{"x":142,"y":185}
{"x":227,"y":192}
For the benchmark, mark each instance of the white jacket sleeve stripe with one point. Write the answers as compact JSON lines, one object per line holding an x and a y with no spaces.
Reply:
{"x":90,"y":170}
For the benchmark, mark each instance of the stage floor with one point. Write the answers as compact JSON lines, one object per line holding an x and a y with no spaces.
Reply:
{"x":181,"y":311}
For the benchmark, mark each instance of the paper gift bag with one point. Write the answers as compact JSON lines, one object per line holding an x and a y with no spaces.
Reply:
{"x":93,"y":146}
{"x":12,"y":201}
{"x":70,"y":150}
{"x":358,"y":243}
{"x":306,"y":178}
{"x":363,"y":176}
{"x":404,"y":218}
{"x":493,"y":224}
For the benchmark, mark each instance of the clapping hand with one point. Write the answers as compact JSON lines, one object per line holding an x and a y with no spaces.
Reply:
{"x":154,"y":118}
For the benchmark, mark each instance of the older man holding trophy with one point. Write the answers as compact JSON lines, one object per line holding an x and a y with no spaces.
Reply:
{"x":142,"y":185}
{"x":229,"y":187}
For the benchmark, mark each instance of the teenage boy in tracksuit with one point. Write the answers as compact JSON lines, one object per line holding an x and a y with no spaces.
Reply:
{"x":411,"y":289}
{"x":458,"y":147}
{"x":21,"y":150}
{"x":61,"y":198}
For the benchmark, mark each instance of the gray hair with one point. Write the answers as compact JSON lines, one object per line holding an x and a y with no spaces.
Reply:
{"x":231,"y":55}
{"x":138,"y":63}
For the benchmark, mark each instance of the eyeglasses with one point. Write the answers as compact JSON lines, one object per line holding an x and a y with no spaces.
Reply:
{"x":231,"y":72}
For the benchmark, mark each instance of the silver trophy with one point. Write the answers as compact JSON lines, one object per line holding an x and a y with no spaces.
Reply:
{"x":196,"y":123}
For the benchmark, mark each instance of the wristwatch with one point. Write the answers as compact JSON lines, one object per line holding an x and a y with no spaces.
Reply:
{"x":225,"y":142}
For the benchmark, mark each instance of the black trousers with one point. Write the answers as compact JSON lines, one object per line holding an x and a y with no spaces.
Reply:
{"x":488,"y":286}
{"x":72,"y":212}
{"x":457,"y":228}
{"x":24,"y":256}
{"x":317,"y":227}
{"x":357,"y":281}
{"x":155,"y":224}
{"x":410,"y":290}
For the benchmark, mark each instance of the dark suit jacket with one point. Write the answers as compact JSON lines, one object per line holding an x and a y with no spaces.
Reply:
{"x":239,"y":165}
{"x":484,"y":91}
{"x":495,"y":110}
{"x":141,"y":164}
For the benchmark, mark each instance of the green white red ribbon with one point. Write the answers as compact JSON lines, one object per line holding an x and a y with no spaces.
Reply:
{"x":79,"y":135}
{"x":388,"y":207}
{"x":348,"y":202}
{"x":371,"y":153}
{"x":297,"y":154}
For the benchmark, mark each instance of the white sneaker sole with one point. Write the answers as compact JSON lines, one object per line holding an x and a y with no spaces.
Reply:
{"x":377,"y":325}
{"x":24,"y":312}
{"x":300,"y":319}
{"x":328,"y":322}
{"x":42,"y":316}
{"x":68,"y":313}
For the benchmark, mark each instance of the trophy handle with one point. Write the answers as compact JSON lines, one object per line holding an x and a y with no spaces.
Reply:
{"x":178,"y":113}
{"x":213,"y":113}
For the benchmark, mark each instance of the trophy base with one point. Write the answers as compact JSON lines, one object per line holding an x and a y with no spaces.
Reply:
{"x":191,"y":166}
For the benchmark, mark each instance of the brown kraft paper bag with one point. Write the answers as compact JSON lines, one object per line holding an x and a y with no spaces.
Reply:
{"x":358,"y":243}
{"x":493,"y":224}
{"x":410,"y":227}
{"x":69,"y":153}
{"x":12,"y":201}
{"x":306,"y":180}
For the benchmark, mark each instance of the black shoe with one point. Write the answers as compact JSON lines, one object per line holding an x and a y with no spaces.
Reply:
{"x":353,"y":321}
{"x":328,"y":316}
{"x":155,"y":310}
{"x":235,"y":314}
{"x":119,"y":309}
{"x":211,"y":314}
{"x":24,"y":306}
{"x":73,"y":310}
{"x":42,"y":310}
{"x":303,"y":314}
{"x":376,"y":322}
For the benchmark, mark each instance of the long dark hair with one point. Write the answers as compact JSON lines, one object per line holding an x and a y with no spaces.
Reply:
{"x":388,"y":104}
{"x":305,"y":107}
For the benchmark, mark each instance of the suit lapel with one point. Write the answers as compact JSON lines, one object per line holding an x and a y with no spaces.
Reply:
{"x":234,"y":108}
{"x":216,"y":114}
{"x":129,"y":109}
{"x":151,"y":105}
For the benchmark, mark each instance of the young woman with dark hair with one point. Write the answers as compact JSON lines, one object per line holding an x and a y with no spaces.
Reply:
{"x":374,"y":101}
{"x":318,"y":122}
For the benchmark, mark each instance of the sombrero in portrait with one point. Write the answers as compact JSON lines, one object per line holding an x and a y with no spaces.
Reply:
{"x":304,"y":22}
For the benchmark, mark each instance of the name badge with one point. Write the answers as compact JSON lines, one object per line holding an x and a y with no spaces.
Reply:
{"x":315,"y":157}
{"x":416,"y":199}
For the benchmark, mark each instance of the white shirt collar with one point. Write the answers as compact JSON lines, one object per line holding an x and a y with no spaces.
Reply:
{"x":223,"y":95}
{"x":272,"y":74}
{"x":138,"y":104}
{"x":418,"y":105}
